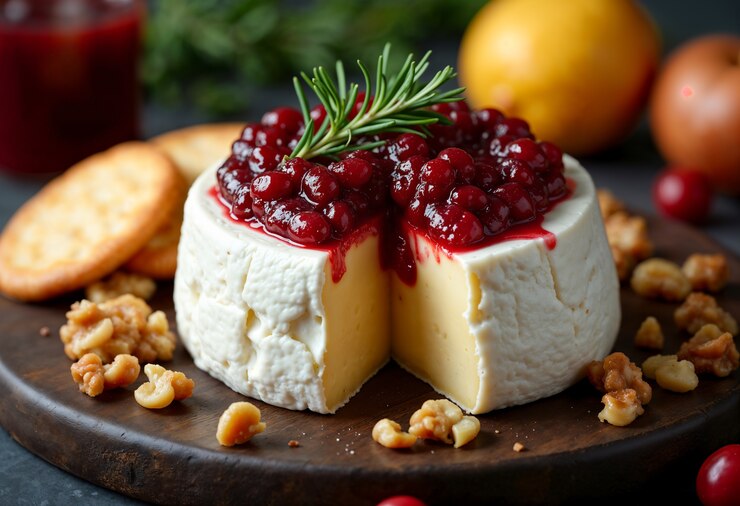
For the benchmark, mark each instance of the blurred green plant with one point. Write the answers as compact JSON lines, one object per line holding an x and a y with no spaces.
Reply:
{"x":210,"y":52}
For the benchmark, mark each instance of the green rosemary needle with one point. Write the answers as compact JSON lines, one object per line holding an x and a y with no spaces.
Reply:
{"x":400,"y":104}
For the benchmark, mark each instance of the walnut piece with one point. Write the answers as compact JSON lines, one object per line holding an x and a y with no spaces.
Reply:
{"x":652,"y":364}
{"x":629,"y":234}
{"x":518,"y":447}
{"x":616,"y":372}
{"x":608,"y":203}
{"x":700,"y":309}
{"x":124,"y":325}
{"x":388,"y":433}
{"x":120,"y":283}
{"x":707,"y":272}
{"x":659,"y":278}
{"x":163,"y":387}
{"x":93,"y":377}
{"x":624,"y":262}
{"x":677,"y":376}
{"x":650,"y":335}
{"x":239,"y":423}
{"x":711,"y":351}
{"x":621,"y":407}
{"x":436,"y":419}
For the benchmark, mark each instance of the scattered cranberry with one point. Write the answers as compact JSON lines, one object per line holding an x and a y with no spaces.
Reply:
{"x":454,"y":226}
{"x":407,"y":145}
{"x":352,"y":172}
{"x":469,"y":197}
{"x":519,"y":201}
{"x":496,"y":216}
{"x":249,"y":133}
{"x":264,"y":159}
{"x":308,"y":227}
{"x":405,"y":178}
{"x":401,"y":500}
{"x":683,"y":194}
{"x":461,"y":161}
{"x":274,"y":137}
{"x":517,"y":171}
{"x":528,"y":151}
{"x":241,"y":206}
{"x":515,"y":127}
{"x":295,"y":168}
{"x":272,"y":186}
{"x":553,"y":153}
{"x":341,"y":216}
{"x":230,"y":177}
{"x":718,"y":481}
{"x":555,"y":185}
{"x":437,"y":177}
{"x":241,"y":149}
{"x":278,"y":216}
{"x":487,"y":177}
{"x":285,"y":118}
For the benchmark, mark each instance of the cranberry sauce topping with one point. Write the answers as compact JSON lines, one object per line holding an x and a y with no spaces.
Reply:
{"x":480,"y":178}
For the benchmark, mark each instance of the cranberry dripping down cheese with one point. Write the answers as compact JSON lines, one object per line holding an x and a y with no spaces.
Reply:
{"x":476,"y":258}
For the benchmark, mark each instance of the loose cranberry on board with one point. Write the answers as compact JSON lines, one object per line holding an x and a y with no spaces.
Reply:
{"x":401,"y":500}
{"x":718,"y":481}
{"x":683,"y":194}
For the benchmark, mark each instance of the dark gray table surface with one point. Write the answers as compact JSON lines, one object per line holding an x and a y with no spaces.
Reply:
{"x":628,"y":171}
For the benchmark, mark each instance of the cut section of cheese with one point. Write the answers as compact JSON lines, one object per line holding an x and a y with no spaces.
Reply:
{"x":503,"y":324}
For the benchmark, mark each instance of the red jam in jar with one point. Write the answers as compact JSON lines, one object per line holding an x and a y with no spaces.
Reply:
{"x":68,"y":80}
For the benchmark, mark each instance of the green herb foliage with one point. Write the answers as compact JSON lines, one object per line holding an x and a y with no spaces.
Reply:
{"x":400,"y":104}
{"x":210,"y":52}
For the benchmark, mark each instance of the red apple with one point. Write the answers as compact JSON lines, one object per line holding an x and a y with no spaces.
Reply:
{"x":695,"y":109}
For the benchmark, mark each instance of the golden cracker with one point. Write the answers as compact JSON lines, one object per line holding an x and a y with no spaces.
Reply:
{"x":87,"y":222}
{"x":194,"y":149}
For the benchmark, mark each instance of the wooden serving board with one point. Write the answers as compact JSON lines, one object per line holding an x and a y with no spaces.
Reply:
{"x":172,"y":456}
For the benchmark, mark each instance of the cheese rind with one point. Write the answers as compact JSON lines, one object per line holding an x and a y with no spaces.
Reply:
{"x":501,"y":325}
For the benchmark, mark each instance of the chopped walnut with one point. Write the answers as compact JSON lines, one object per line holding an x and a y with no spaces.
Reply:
{"x":239,"y":423}
{"x":389,"y":434}
{"x":711,"y":351}
{"x":44,"y":331}
{"x":125,"y":325}
{"x":652,"y":364}
{"x":163,"y":387}
{"x":621,"y":407}
{"x":121,"y":283}
{"x":122,"y":372}
{"x":700,"y":309}
{"x":436,"y":419}
{"x":659,"y":278}
{"x":518,"y":447}
{"x":629,"y":234}
{"x":707,"y":272}
{"x":650,"y":335}
{"x":88,"y":373}
{"x":624,"y":262}
{"x":93,"y":377}
{"x":616,"y":372}
{"x":293,"y":443}
{"x":608,"y":203}
{"x":677,"y":376}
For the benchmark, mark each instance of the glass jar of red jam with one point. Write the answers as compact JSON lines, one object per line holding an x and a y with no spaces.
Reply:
{"x":68,"y":80}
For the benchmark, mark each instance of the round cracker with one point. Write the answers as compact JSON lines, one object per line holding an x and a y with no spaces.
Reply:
{"x":87,"y":222}
{"x":194,"y":149}
{"x":158,"y":258}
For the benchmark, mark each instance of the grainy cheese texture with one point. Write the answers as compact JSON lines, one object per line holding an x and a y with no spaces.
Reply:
{"x":503,"y":325}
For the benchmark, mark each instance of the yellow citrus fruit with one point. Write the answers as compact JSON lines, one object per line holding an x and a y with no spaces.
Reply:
{"x":579,"y":71}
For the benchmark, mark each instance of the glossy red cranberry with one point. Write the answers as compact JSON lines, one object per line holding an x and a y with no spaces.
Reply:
{"x":230,"y":178}
{"x":377,"y":191}
{"x":341,"y":216}
{"x":718,"y":480}
{"x":488,"y":118}
{"x":295,"y":168}
{"x":250,"y":131}
{"x":461,"y":161}
{"x":416,"y":212}
{"x":496,"y":217}
{"x":465,"y":126}
{"x":454,"y":226}
{"x":241,"y":149}
{"x":528,"y":151}
{"x":684,"y":195}
{"x":555,"y":184}
{"x":272,"y":186}
{"x":447,"y":108}
{"x":359,"y":202}
{"x":499,"y":145}
{"x":407,"y":145}
{"x":352,"y":172}
{"x":519,"y":200}
{"x":318,"y":115}
{"x":515,"y":127}
{"x":469,"y":197}
{"x":265,"y":158}
{"x":553,"y":153}
{"x":241,"y":206}
{"x":274,"y":137}
{"x":538,"y":191}
{"x":401,"y":500}
{"x":319,"y":186}
{"x":278,"y":215}
{"x":404,"y":178}
{"x":285,"y":118}
{"x":487,"y":177}
{"x":517,"y":171}
{"x":260,"y":208}
{"x":436,"y":179}
{"x":309,"y":227}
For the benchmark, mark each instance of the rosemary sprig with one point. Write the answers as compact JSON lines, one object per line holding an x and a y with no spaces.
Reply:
{"x":399,"y":104}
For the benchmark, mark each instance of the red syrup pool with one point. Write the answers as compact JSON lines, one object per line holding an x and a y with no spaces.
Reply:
{"x":396,"y":237}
